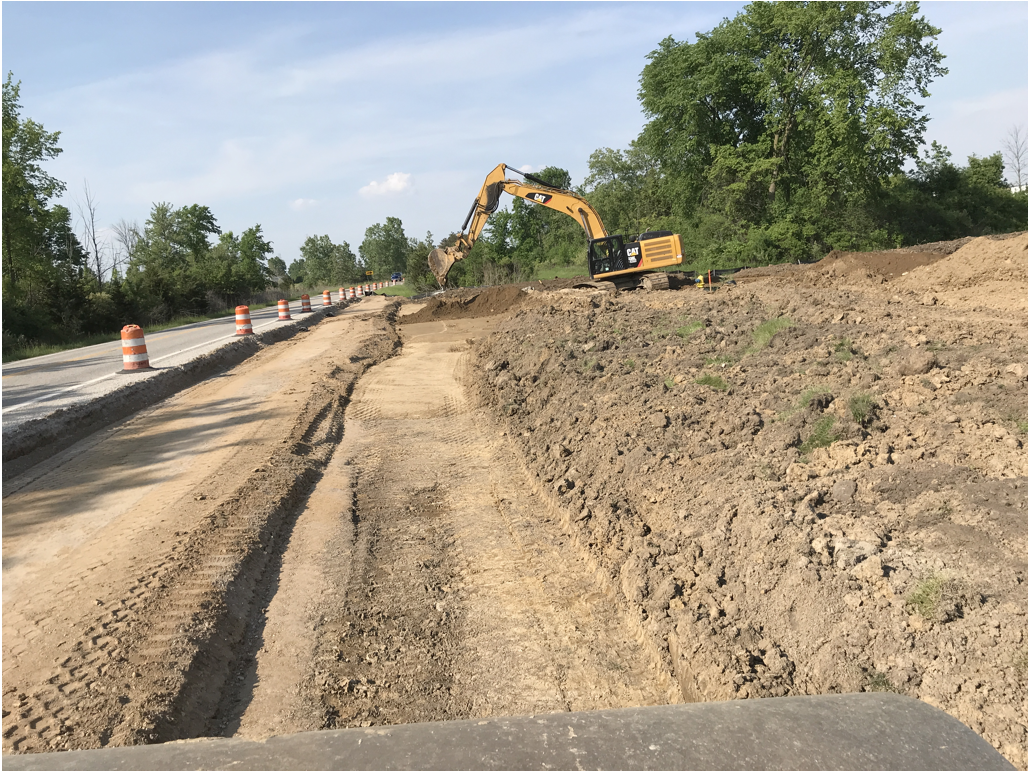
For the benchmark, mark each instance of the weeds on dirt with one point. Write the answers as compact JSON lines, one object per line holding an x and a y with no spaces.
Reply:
{"x":878,"y":682}
{"x":719,"y":361}
{"x":630,"y":364}
{"x":844,"y":349}
{"x":927,"y":596}
{"x":821,"y":436}
{"x":712,"y":381}
{"x":1021,"y":664}
{"x":688,"y":329}
{"x":863,"y":409}
{"x":811,"y":394}
{"x":669,"y":383}
{"x":764,"y":332}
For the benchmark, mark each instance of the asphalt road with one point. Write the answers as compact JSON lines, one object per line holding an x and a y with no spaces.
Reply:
{"x":36,"y":387}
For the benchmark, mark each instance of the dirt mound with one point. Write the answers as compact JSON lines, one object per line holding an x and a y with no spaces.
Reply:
{"x":889,"y":264}
{"x":988,"y":272}
{"x":799,"y":489}
{"x":488,"y":302}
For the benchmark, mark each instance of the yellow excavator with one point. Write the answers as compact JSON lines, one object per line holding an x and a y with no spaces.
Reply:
{"x":613,"y":263}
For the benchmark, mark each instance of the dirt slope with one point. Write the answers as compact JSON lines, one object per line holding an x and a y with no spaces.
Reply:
{"x":836,"y":506}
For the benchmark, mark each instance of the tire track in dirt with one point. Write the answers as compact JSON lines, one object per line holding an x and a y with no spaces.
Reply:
{"x":460,"y":596}
{"x":154,"y":664}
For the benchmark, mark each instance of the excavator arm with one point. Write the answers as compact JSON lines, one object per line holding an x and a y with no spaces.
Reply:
{"x":488,"y":200}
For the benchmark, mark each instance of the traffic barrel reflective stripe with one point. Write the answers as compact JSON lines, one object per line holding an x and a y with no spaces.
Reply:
{"x":305,"y":303}
{"x":133,"y":349}
{"x":243,"y":325}
{"x":283,"y":310}
{"x":326,"y":297}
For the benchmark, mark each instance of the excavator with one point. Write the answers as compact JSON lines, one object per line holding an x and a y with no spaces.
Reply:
{"x":613,"y":263}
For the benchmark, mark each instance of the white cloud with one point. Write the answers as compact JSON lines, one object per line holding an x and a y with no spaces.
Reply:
{"x":393,"y":184}
{"x":529,"y":168}
{"x":302,"y":203}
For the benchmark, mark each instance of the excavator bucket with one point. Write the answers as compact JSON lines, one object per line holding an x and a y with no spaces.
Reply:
{"x":440,"y":261}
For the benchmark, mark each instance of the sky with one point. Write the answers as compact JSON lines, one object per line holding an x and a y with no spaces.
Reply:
{"x":324,"y":118}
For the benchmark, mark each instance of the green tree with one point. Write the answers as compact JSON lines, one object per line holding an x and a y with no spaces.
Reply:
{"x":780,"y":126}
{"x":324,"y":262}
{"x":385,"y":248}
{"x":28,"y":224}
{"x":251,"y":271}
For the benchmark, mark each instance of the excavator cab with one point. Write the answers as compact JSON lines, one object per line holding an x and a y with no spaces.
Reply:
{"x":607,"y":255}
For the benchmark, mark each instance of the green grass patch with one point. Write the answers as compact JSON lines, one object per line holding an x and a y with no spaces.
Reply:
{"x":878,"y":682}
{"x":863,"y":408}
{"x":712,"y":381}
{"x":810,"y":394}
{"x":629,"y":364}
{"x":821,"y":436}
{"x":844,"y":349}
{"x":927,"y":596}
{"x":764,"y":332}
{"x":669,"y":383}
{"x":686,"y":330}
{"x":400,"y":290}
{"x":546,"y":272}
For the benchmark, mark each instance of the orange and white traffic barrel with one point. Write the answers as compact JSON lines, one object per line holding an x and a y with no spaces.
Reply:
{"x":342,"y":293}
{"x":360,"y":292}
{"x":326,"y":297}
{"x":283,"y":310}
{"x":305,"y":303}
{"x":133,"y":349}
{"x":243,"y":325}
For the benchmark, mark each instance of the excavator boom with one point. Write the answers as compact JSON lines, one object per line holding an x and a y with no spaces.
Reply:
{"x":440,"y":260}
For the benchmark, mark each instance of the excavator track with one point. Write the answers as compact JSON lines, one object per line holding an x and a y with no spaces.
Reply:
{"x":654,"y":281}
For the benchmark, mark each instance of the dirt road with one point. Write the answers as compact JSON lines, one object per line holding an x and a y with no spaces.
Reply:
{"x":243,"y":559}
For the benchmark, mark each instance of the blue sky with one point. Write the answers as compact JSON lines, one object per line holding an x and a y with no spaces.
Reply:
{"x":327,"y":117}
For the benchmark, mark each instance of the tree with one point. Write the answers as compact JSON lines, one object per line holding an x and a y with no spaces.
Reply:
{"x":27,"y":189}
{"x":385,"y":247}
{"x":789,"y":118}
{"x":252,"y":272}
{"x":1015,"y":150}
{"x":326,"y":263}
{"x":298,"y":271}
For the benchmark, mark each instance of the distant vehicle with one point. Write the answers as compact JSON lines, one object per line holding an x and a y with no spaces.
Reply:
{"x":396,"y":277}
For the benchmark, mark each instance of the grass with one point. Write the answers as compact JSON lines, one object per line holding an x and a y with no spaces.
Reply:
{"x":863,"y":408}
{"x":764,"y":332}
{"x":669,"y":383}
{"x":878,"y":682}
{"x":712,"y":381}
{"x":718,"y":361}
{"x":630,"y":364}
{"x":810,"y":394}
{"x":844,"y":349}
{"x":821,"y":436}
{"x":927,"y":596}
{"x":400,"y":290}
{"x":546,"y":272}
{"x":688,"y":329}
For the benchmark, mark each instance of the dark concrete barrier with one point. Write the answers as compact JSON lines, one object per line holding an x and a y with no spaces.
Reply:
{"x":851,"y":732}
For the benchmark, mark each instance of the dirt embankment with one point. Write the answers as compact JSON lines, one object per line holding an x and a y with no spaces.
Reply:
{"x":798,"y":486}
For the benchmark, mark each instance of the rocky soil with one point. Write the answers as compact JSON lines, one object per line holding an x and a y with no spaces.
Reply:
{"x":813,"y":482}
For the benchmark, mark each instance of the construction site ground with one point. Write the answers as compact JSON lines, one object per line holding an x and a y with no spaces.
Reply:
{"x":534,"y":498}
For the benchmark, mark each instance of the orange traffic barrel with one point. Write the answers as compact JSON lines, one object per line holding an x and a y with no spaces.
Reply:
{"x":133,"y":349}
{"x":305,"y":303}
{"x":243,"y":325}
{"x":283,"y":310}
{"x":326,"y":297}
{"x":360,"y":292}
{"x":342,"y":293}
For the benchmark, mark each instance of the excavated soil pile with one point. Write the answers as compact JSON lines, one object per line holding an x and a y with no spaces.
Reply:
{"x":488,"y":302}
{"x":797,"y":489}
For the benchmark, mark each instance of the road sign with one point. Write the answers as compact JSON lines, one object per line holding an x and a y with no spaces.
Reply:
{"x":369,"y":273}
